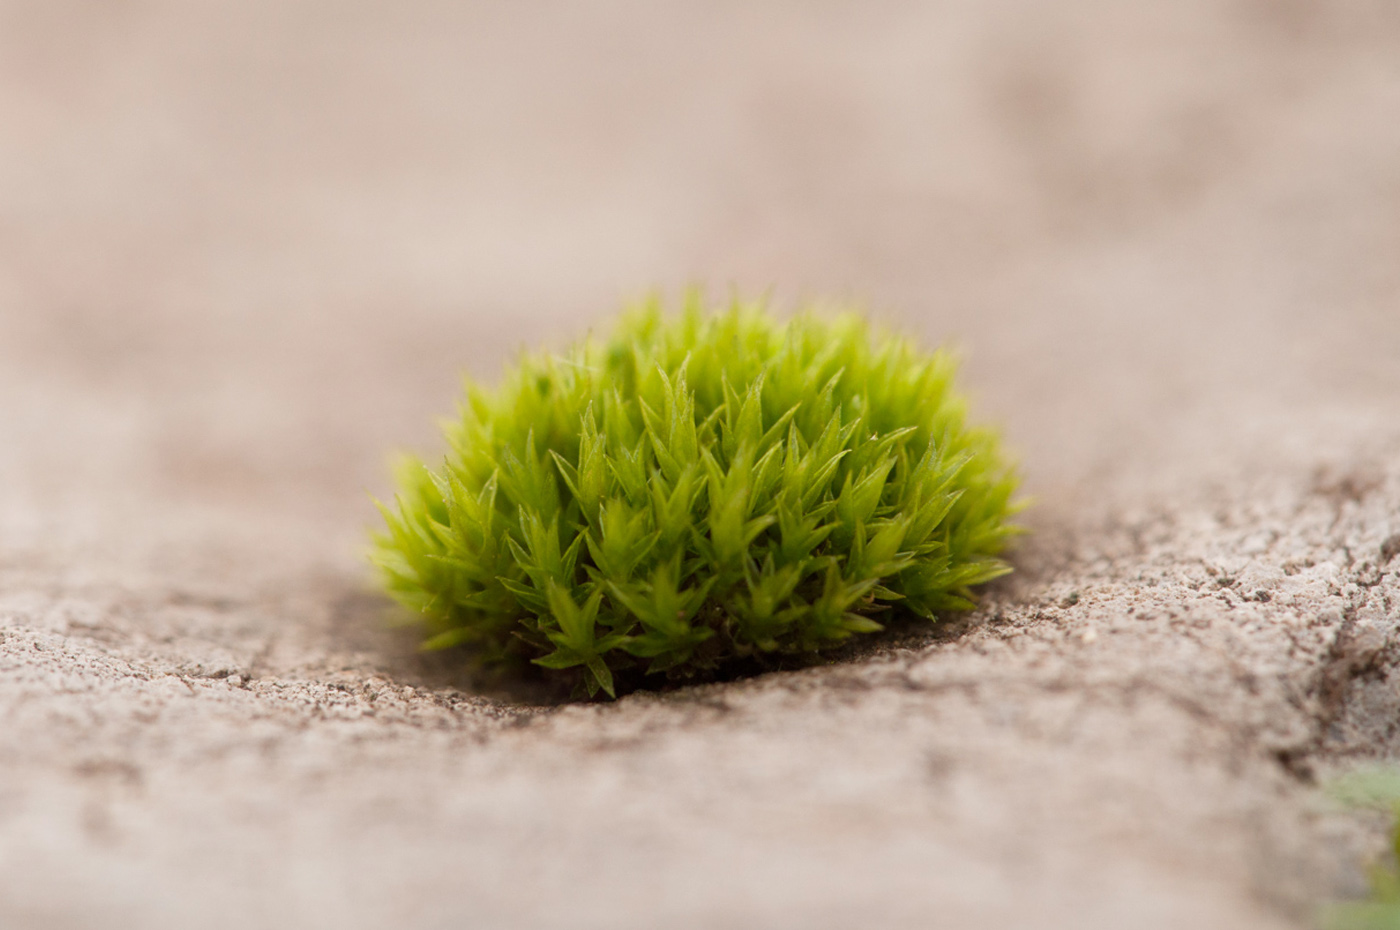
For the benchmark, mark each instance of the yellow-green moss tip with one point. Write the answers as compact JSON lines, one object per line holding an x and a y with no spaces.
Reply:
{"x":694,"y":489}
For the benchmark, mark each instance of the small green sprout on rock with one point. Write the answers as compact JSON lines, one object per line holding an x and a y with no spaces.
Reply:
{"x":1377,"y":789}
{"x":693,"y":490}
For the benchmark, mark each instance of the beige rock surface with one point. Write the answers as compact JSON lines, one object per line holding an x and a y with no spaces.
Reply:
{"x":246,"y":248}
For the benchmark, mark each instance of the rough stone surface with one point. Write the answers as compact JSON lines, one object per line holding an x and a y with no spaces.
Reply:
{"x":246,"y":248}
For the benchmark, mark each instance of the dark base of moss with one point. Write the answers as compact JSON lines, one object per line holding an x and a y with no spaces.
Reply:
{"x":516,"y":680}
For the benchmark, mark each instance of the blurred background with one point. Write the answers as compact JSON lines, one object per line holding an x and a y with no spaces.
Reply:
{"x":246,"y":248}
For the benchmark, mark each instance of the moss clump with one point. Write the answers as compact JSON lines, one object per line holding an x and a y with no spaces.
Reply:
{"x":695,"y":489}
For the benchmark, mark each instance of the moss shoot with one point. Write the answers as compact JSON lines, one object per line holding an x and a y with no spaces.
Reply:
{"x":1377,"y":789}
{"x":696,"y":489}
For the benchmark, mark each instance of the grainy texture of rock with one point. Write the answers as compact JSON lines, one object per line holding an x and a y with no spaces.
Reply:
{"x":246,"y":249}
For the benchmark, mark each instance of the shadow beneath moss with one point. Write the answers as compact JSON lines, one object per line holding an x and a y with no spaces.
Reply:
{"x":372,"y":626}
{"x":383,"y":635}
